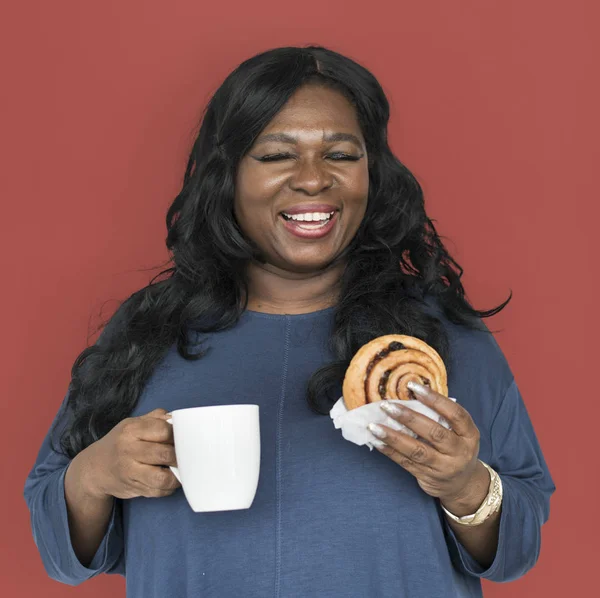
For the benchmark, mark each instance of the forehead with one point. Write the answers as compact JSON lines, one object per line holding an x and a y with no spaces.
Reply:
{"x":316,"y":106}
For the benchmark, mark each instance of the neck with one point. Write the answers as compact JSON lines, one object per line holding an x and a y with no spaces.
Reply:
{"x":275,"y":291}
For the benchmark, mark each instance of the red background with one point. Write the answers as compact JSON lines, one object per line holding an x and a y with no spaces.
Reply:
{"x":494,"y":109}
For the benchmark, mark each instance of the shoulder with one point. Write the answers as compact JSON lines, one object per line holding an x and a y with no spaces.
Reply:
{"x":114,"y":325}
{"x":479,"y":374}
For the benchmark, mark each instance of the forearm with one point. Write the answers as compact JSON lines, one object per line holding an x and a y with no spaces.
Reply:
{"x":481,"y":541}
{"x":89,"y":512}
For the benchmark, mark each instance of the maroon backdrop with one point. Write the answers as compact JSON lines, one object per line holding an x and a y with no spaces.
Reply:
{"x":494,"y":109}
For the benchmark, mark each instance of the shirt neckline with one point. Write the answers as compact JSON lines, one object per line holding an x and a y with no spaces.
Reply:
{"x":312,"y":314}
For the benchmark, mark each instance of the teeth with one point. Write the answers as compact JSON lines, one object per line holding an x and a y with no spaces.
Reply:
{"x":309,"y":217}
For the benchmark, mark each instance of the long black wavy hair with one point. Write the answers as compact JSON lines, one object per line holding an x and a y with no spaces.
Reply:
{"x":395,"y":261}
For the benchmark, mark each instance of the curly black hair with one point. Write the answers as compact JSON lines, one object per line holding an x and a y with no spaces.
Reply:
{"x":395,"y":264}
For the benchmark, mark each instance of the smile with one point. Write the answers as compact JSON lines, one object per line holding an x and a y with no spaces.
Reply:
{"x":312,"y":217}
{"x":310,"y":225}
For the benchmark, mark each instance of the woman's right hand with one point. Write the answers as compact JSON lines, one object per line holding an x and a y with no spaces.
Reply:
{"x":131,"y":460}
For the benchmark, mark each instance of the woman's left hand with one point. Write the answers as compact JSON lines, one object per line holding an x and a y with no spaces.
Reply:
{"x":446,"y":464}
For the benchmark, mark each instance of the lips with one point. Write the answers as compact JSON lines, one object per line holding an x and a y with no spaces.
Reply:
{"x":310,"y":230}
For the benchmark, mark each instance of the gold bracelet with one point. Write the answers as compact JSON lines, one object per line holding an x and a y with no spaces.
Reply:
{"x":490,"y":505}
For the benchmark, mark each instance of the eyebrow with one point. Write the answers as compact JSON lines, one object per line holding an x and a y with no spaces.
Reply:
{"x":285,"y":138}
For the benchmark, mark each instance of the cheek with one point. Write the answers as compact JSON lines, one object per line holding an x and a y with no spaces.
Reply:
{"x":359,"y":182}
{"x":251,"y":191}
{"x":245,"y":198}
{"x":359,"y":192}
{"x":364,"y":180}
{"x":249,"y":212}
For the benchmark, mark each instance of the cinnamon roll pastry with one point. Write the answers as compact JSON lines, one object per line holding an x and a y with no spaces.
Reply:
{"x":382,"y":368}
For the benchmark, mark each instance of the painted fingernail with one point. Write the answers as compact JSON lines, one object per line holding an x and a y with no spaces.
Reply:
{"x":377,"y":430}
{"x":418,"y":388}
{"x":378,"y":443}
{"x":392,"y":408}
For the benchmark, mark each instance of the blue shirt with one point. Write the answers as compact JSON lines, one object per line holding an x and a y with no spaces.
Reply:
{"x":330,"y":519}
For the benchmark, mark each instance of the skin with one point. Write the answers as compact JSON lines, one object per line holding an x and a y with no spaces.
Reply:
{"x":128,"y":462}
{"x":298,"y":277}
{"x":445,"y":466}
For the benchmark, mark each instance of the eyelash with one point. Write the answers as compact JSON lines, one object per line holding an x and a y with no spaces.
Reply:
{"x":276,"y":157}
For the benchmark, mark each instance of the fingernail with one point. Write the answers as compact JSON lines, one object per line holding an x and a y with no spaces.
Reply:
{"x":392,"y":408}
{"x":378,"y":443}
{"x":377,"y":430}
{"x":418,"y":388}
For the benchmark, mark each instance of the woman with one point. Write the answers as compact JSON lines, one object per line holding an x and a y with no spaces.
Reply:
{"x":297,"y":237}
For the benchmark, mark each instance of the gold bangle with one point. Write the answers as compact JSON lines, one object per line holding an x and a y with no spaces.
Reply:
{"x":490,"y":505}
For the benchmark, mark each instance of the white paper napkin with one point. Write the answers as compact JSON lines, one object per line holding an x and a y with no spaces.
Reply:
{"x":354,"y":423}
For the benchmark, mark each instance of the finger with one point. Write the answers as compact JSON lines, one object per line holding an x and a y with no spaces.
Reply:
{"x":407,"y":449}
{"x":148,"y":492}
{"x":156,"y":478}
{"x":416,"y":469}
{"x":459,"y":418}
{"x":158,"y":414}
{"x":154,"y":453}
{"x":152,"y":429}
{"x":441,"y":438}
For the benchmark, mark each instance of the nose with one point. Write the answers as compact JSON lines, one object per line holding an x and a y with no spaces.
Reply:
{"x":311,"y":177}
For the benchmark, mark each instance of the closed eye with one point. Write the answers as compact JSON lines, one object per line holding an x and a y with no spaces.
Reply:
{"x":274,"y":157}
{"x":336,"y":156}
{"x":339,"y":156}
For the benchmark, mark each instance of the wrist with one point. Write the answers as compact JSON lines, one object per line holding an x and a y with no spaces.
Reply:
{"x":85,"y":474}
{"x":489,"y":507}
{"x":473,"y":495}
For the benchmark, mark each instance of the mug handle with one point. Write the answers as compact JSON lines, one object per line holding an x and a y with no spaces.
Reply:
{"x":171,"y":467}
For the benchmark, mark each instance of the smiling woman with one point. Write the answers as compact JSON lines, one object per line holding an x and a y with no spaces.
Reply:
{"x":297,"y":238}
{"x":309,"y":165}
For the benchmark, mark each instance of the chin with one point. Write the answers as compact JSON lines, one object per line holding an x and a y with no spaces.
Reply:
{"x":306,"y":266}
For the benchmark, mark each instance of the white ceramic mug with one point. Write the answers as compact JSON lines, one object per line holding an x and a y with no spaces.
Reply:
{"x":218,"y":455}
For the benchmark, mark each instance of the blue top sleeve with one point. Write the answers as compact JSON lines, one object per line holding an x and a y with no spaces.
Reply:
{"x":45,"y":497}
{"x":527,"y":486}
